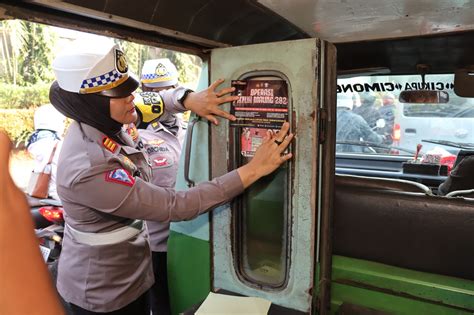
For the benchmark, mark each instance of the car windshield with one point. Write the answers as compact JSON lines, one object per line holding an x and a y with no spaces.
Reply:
{"x":371,"y":120}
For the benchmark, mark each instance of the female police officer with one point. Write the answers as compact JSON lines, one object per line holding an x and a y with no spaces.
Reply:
{"x":103,"y":180}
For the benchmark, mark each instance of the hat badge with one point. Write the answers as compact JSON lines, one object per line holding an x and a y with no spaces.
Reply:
{"x":161,"y":70}
{"x":120,"y":62}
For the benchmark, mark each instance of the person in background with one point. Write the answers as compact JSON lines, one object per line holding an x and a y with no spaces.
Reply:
{"x":160,"y":132}
{"x":104,"y":175}
{"x":158,"y":75}
{"x":368,"y":109}
{"x":387,"y":113}
{"x":352,"y":128}
{"x":49,"y":129}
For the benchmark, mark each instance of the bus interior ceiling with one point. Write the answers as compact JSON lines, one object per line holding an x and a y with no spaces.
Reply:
{"x":369,"y":35}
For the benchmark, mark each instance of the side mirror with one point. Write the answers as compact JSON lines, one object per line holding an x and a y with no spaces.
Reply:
{"x":424,"y":97}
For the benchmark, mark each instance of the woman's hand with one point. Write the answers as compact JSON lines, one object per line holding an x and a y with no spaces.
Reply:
{"x":206,"y":102}
{"x":268,"y":157}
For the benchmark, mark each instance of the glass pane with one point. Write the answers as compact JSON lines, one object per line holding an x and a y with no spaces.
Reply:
{"x":371,"y":120}
{"x":261,"y":216}
{"x":264,"y":230}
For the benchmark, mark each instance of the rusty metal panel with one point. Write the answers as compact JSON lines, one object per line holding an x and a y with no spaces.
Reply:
{"x":298,"y":61}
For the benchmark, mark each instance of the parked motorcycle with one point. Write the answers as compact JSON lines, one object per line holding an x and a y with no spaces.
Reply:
{"x":49,"y":228}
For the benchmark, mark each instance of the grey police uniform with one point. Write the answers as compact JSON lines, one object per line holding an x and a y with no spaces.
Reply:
{"x":164,"y":150}
{"x":103,"y":187}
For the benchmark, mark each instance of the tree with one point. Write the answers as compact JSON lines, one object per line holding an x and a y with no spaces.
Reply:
{"x":10,"y":50}
{"x":188,"y":66}
{"x":36,"y":56}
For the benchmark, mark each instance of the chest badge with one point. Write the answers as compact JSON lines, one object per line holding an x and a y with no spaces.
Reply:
{"x":161,"y":162}
{"x":128,"y":163}
{"x":109,"y":144}
{"x":120,"y":176}
{"x":132,"y":131}
{"x":156,"y":142}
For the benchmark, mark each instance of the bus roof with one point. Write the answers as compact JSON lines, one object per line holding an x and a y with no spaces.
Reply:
{"x":377,"y":34}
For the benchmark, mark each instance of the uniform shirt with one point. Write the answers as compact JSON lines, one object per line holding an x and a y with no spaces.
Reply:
{"x":163,"y":140}
{"x":100,"y":194}
{"x":164,"y":150}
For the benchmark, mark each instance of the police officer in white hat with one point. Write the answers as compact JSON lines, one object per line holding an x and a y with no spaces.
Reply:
{"x":103,"y":180}
{"x":161,"y":132}
{"x":159,"y":74}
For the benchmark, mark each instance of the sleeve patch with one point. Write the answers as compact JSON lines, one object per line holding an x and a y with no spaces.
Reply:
{"x":120,"y":176}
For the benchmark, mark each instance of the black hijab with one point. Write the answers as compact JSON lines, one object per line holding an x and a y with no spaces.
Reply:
{"x":90,"y":109}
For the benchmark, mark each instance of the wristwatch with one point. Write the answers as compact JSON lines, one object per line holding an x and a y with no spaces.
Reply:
{"x":183,"y":98}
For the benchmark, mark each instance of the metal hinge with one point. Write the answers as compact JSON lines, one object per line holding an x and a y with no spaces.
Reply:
{"x":322,"y":125}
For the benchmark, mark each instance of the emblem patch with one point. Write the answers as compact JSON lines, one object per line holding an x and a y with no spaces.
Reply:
{"x":120,"y":176}
{"x":161,"y":70}
{"x":128,"y":163}
{"x":151,"y":106}
{"x":161,"y":162}
{"x":132,"y":131}
{"x":120,"y":62}
{"x":109,"y":144}
{"x":156,"y":142}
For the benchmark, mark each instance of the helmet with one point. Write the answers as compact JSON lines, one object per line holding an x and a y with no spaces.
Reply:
{"x":345,"y":100}
{"x":149,"y":106}
{"x":388,"y":99}
{"x":47,"y":117}
{"x":100,"y":68}
{"x":158,"y":73}
{"x":368,"y":98}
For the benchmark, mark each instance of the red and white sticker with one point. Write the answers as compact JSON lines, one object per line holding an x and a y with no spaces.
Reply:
{"x":161,"y":162}
{"x":120,"y":176}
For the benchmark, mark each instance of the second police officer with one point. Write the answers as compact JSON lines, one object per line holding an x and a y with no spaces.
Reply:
{"x":161,"y":132}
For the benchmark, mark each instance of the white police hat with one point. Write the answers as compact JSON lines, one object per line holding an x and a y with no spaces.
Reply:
{"x":99,"y":68}
{"x":159,"y":73}
{"x":48,"y":117}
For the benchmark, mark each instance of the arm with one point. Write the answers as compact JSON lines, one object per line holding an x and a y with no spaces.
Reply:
{"x":142,"y":200}
{"x":26,"y":286}
{"x":366,"y":132}
{"x":204,"y":103}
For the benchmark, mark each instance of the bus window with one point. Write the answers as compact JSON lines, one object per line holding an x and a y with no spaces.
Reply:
{"x":261,"y":214}
{"x":405,"y":125}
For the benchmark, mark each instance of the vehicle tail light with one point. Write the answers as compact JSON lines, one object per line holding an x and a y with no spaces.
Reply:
{"x":53,"y":214}
{"x":396,"y":132}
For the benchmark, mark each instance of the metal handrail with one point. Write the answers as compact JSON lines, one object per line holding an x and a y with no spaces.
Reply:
{"x":187,"y":152}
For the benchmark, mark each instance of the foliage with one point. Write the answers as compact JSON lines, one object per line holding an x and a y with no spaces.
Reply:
{"x":188,"y":66}
{"x":25,"y":52}
{"x":10,"y":50}
{"x":14,"y":96}
{"x":17,"y":123}
{"x":36,"y":56}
